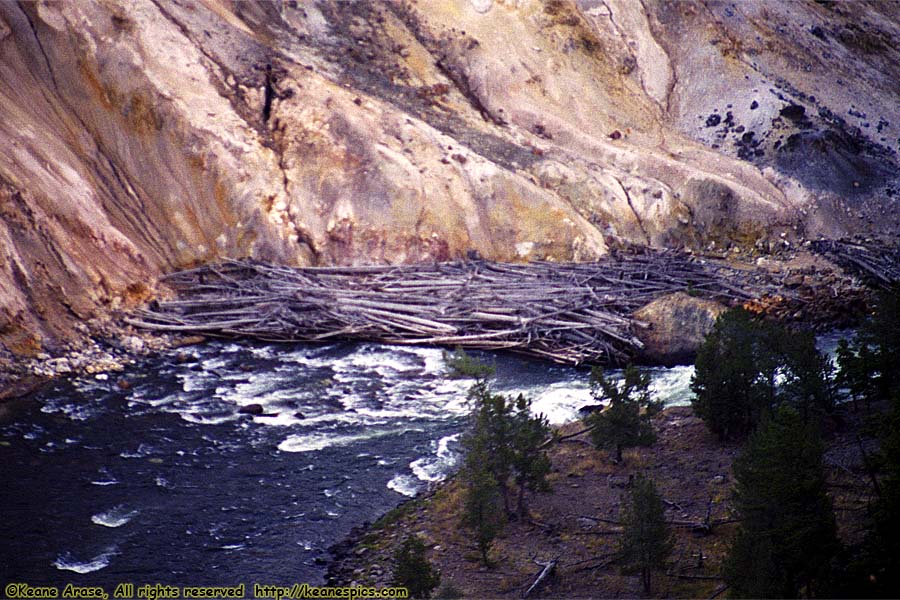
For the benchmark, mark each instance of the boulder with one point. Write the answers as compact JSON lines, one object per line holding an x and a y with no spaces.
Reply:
{"x":251,"y":409}
{"x":678,"y":324}
{"x":589,"y":409}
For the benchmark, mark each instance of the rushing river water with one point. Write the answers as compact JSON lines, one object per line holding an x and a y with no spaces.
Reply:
{"x":165,"y":482}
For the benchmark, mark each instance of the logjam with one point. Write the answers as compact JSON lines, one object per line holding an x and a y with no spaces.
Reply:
{"x":876,"y":262}
{"x":569,"y":313}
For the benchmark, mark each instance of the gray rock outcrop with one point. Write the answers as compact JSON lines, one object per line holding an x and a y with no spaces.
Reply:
{"x":677,"y":325}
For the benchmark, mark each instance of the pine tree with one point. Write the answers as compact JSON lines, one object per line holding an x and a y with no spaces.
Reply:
{"x":734,"y":375}
{"x":746,"y":368}
{"x":883,"y":334}
{"x":872,"y":570}
{"x":482,"y":509}
{"x":626,"y":421}
{"x":807,"y":377}
{"x":647,"y":540}
{"x":857,"y":369}
{"x":462,"y":366}
{"x":887,"y":512}
{"x":491,"y":428}
{"x":503,"y":446}
{"x":870,"y":365}
{"x":530,"y":463}
{"x":787,"y":534}
{"x":412,"y":569}
{"x":511,"y":438}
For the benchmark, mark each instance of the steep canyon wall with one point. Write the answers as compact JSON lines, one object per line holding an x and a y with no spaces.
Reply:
{"x":141,"y":136}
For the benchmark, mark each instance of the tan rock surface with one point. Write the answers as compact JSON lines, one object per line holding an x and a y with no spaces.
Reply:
{"x":677,"y":325}
{"x":146,"y":135}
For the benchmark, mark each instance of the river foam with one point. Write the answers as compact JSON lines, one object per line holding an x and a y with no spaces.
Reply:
{"x":114,"y":517}
{"x":405,"y":485}
{"x":438,"y":466}
{"x":312,"y":442}
{"x":66,"y":562}
{"x":106,"y":478}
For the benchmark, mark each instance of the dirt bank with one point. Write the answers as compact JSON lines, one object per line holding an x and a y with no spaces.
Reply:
{"x":576,"y":522}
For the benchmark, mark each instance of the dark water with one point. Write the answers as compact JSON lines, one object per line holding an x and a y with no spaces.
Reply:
{"x":165,"y":483}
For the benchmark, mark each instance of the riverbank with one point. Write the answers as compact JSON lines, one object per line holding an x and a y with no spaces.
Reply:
{"x":104,"y":347}
{"x":576,"y":523}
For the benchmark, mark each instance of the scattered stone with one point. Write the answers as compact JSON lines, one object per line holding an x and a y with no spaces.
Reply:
{"x":482,"y":6}
{"x":133,"y":344}
{"x":60,"y":366}
{"x":794,"y":112}
{"x":183,"y":358}
{"x":818,"y":32}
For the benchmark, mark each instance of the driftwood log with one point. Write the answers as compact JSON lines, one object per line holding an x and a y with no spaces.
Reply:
{"x":570,"y":313}
{"x":547,"y":569}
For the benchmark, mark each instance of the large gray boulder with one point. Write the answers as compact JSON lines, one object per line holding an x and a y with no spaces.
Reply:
{"x":677,"y":325}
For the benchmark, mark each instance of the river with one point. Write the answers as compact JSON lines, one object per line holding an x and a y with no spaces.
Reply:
{"x":164,"y":482}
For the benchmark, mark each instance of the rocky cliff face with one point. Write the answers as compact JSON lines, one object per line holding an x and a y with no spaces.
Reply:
{"x":145,"y":135}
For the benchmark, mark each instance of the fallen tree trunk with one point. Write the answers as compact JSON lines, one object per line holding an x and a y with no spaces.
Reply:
{"x":548,"y":568}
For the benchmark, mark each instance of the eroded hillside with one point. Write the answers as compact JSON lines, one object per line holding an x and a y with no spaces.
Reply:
{"x":142,"y":136}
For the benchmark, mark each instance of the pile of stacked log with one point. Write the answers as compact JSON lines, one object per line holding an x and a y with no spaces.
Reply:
{"x":566,"y":312}
{"x":874,"y":261}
